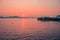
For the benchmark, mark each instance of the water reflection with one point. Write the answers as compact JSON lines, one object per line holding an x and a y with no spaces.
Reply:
{"x":29,"y":29}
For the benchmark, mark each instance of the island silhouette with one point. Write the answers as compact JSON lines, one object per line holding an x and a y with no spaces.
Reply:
{"x":10,"y":17}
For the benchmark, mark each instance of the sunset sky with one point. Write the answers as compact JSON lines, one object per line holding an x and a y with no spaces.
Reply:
{"x":29,"y":7}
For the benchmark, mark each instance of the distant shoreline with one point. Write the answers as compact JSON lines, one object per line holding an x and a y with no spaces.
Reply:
{"x":18,"y":17}
{"x":10,"y":17}
{"x":15,"y":17}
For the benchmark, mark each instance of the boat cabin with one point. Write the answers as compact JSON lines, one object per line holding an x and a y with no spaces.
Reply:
{"x":58,"y":16}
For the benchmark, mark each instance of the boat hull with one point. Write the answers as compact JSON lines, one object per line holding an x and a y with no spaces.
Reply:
{"x":49,"y":19}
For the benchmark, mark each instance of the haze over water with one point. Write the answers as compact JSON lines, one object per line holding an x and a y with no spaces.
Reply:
{"x":29,"y":7}
{"x":28,"y":29}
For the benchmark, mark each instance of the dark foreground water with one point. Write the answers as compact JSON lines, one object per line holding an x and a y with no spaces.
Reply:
{"x":29,"y":29}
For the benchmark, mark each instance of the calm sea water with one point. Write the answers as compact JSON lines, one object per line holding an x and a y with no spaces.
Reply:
{"x":28,"y":29}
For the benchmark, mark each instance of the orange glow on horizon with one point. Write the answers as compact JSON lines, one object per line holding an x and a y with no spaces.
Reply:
{"x":28,"y":9}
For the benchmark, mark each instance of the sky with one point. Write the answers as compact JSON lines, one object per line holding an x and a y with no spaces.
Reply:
{"x":29,"y":7}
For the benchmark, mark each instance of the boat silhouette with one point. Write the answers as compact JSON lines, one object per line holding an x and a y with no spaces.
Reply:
{"x":57,"y":18}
